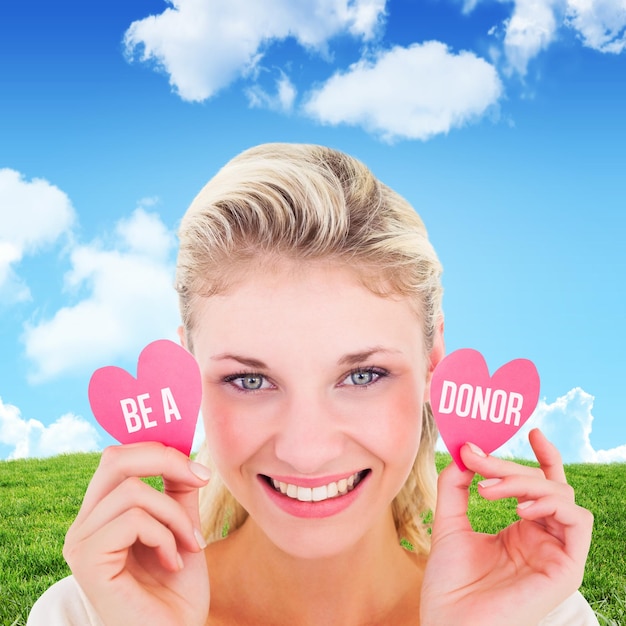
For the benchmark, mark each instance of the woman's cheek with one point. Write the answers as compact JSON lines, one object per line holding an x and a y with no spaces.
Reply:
{"x":391,"y":426}
{"x":231,"y":426}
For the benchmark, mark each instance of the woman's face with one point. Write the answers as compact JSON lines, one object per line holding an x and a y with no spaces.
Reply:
{"x":312,"y":401}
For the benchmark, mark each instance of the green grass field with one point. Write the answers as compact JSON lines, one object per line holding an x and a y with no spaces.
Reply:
{"x":39,"y":499}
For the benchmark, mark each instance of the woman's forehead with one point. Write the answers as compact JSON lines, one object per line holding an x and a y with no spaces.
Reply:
{"x":304,"y":286}
{"x":304,"y":309}
{"x":272,"y":272}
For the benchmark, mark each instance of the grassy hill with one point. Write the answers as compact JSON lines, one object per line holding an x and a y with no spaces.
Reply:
{"x":39,"y":499}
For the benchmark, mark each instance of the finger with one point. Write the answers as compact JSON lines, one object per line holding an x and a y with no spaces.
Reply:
{"x":524,"y":488}
{"x":118,"y":463}
{"x":491,"y":466}
{"x":107,"y":550}
{"x":568,"y":522}
{"x":133,"y":493}
{"x":548,"y":456}
{"x":452,"y":499}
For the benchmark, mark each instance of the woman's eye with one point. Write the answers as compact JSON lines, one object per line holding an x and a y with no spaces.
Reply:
{"x":363,"y":377}
{"x":248,"y":382}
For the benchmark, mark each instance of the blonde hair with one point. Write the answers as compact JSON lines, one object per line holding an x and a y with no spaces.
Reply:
{"x":307,"y":202}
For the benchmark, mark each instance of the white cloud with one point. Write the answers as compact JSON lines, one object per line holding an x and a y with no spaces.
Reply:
{"x":146,"y":203}
{"x":282,"y":101}
{"x":12,"y":287}
{"x":130,"y":301}
{"x":600,"y":23}
{"x":33,"y":214}
{"x":414,"y":93}
{"x":30,"y":438}
{"x":204,"y":45}
{"x":531,"y":29}
{"x":469,"y":6}
{"x":568,"y":423}
{"x":534,"y":25}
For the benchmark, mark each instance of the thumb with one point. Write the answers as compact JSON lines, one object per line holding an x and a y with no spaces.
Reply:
{"x":452,"y":499}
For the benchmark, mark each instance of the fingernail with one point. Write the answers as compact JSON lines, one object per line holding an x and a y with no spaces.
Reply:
{"x":525,"y":505}
{"x":180,"y":561}
{"x":200,"y":539}
{"x":475,"y":449}
{"x":201,"y":471}
{"x":489,"y":482}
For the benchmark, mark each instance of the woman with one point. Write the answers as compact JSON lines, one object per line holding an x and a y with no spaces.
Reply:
{"x":311,"y":299}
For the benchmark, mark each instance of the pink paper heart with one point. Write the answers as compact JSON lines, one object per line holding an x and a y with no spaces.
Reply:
{"x":161,"y":404}
{"x":471,"y":406}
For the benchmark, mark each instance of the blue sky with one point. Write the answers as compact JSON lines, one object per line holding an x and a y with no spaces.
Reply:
{"x":502,"y":122}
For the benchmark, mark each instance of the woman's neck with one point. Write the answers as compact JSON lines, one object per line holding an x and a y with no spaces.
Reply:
{"x":373,"y":581}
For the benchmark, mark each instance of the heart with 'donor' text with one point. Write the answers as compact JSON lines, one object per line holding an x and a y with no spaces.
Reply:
{"x":469,"y":405}
{"x":162,"y":404}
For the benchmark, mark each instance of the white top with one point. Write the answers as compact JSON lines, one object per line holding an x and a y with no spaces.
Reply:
{"x":65,"y":604}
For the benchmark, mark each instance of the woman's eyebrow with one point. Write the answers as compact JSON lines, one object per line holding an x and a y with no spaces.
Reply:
{"x":355,"y":358}
{"x":244,"y":360}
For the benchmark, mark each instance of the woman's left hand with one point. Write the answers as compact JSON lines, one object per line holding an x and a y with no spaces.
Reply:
{"x":519,"y":575}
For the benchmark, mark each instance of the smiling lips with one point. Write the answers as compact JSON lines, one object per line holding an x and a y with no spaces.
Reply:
{"x":320,"y":493}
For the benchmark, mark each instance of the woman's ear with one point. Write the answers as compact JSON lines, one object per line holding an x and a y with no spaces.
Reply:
{"x":436,"y":354}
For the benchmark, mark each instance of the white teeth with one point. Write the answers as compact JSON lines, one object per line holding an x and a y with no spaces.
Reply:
{"x":304,"y":494}
{"x":318,"y":494}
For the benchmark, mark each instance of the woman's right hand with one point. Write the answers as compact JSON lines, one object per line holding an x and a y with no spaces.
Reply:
{"x":136,"y":552}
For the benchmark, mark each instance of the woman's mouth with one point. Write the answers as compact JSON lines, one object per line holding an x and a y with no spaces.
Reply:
{"x":320,"y":493}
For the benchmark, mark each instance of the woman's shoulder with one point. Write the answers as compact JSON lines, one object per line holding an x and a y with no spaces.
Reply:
{"x":575,"y":611}
{"x":63,"y":604}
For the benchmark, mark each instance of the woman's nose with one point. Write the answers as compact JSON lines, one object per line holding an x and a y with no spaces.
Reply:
{"x":310,"y":436}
